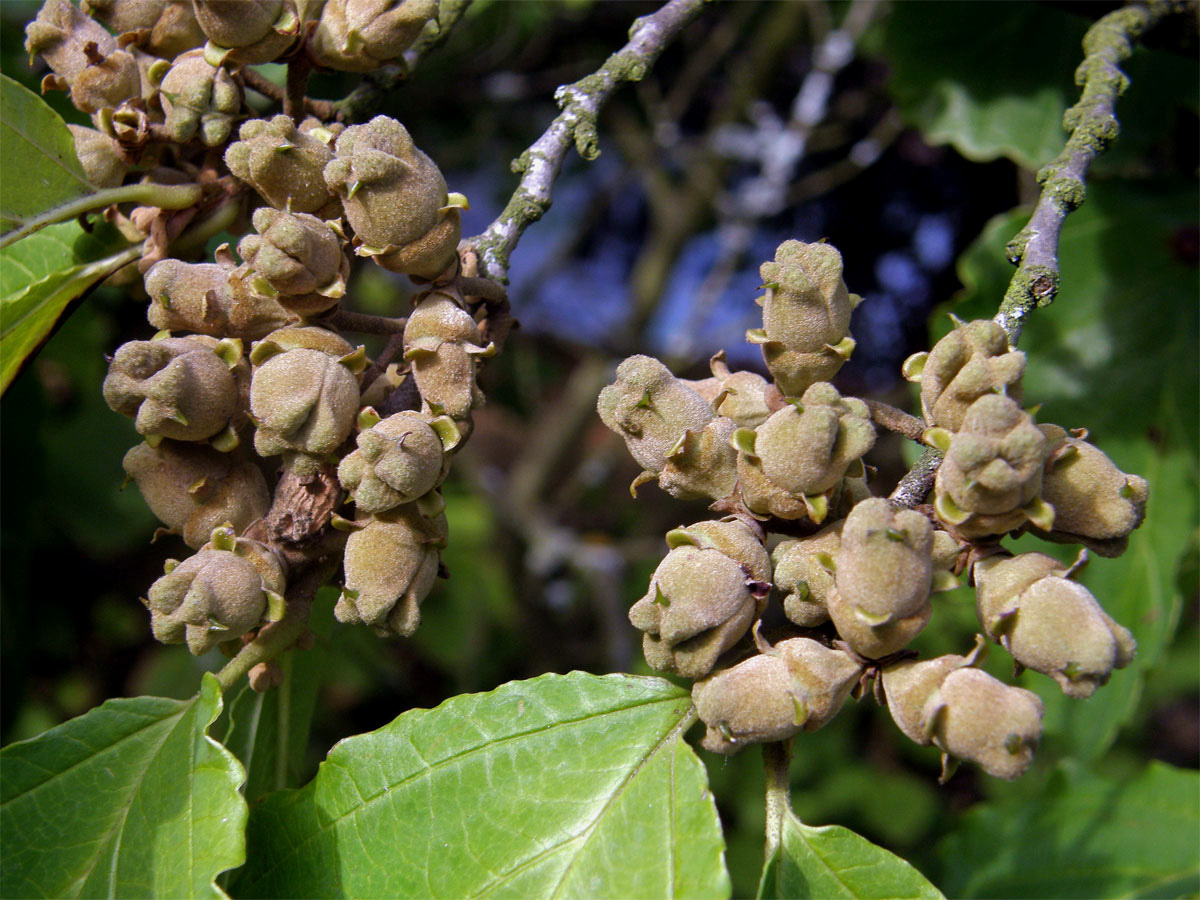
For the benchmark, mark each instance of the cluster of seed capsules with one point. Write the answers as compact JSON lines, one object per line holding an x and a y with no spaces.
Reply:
{"x":246,"y":382}
{"x":785,"y":457}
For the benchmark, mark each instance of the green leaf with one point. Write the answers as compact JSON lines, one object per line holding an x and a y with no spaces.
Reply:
{"x":1115,"y":353}
{"x":831,"y":862}
{"x":562,"y":786}
{"x":38,"y":168}
{"x":132,"y":799}
{"x":943,"y":59}
{"x":41,"y":275}
{"x":1084,"y":836}
{"x":268,"y":732}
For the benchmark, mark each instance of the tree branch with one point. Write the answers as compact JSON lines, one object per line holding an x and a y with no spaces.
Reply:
{"x":1093,"y":127}
{"x":896,"y":420}
{"x":916,"y":485}
{"x":580,"y":103}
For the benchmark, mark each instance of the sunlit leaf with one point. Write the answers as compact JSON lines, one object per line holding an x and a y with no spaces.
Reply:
{"x":131,"y":799}
{"x":831,"y":862}
{"x":561,"y":786}
{"x":38,"y":168}
{"x":41,"y":275}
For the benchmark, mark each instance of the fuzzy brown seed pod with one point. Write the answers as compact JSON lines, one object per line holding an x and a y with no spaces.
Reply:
{"x":740,"y":396}
{"x":395,"y":199}
{"x":249,"y":31}
{"x":398,"y":460}
{"x":972,"y":360}
{"x":230,"y":586}
{"x":1049,"y":623}
{"x":391,"y":563}
{"x":193,"y":488}
{"x":703,"y":596}
{"x":804,"y":574}
{"x":885,"y":562}
{"x":806,"y":316}
{"x":797,"y":685}
{"x":178,"y":388}
{"x":444,"y":345}
{"x":165,"y":28}
{"x":991,"y":478}
{"x":199,"y":100}
{"x":84,"y":57}
{"x":299,"y":257}
{"x":790,"y":465}
{"x":966,"y":713}
{"x":209,"y":298}
{"x":285,"y":165}
{"x":361,"y":35}
{"x":98,"y":155}
{"x":1093,"y":500}
{"x":304,"y":403}
{"x":651,"y":409}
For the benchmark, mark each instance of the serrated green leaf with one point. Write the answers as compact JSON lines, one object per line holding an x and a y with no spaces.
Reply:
{"x":943,"y":59}
{"x":831,"y":862}
{"x":131,"y":799}
{"x":1115,"y":353}
{"x":562,"y":786}
{"x":38,"y":168}
{"x":1084,"y":836}
{"x":41,"y":275}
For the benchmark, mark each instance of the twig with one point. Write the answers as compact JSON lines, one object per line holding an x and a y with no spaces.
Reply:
{"x":580,"y":103}
{"x":896,"y":420}
{"x":362,"y":323}
{"x":1093,"y":127}
{"x":393,"y":348}
{"x":256,"y":81}
{"x":369,"y":94}
{"x":298,"y":68}
{"x":913,"y":487}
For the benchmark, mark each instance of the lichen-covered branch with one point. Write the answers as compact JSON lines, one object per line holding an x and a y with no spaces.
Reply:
{"x":1093,"y":126}
{"x":369,"y":94}
{"x":576,"y":124}
{"x":916,"y":485}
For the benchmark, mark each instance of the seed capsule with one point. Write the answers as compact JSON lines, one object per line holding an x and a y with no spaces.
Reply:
{"x":1049,"y":623}
{"x":972,"y":360}
{"x":797,"y":685}
{"x":991,"y":478}
{"x":395,"y":199}
{"x":391,"y":563}
{"x":1093,"y":500}
{"x":703,"y":596}
{"x":361,"y":35}
{"x":806,"y":316}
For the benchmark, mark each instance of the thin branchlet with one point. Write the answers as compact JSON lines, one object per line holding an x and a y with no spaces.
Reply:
{"x":1092,"y":126}
{"x":580,"y":102}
